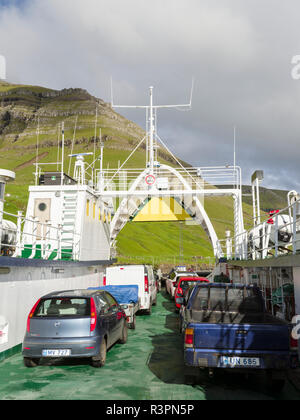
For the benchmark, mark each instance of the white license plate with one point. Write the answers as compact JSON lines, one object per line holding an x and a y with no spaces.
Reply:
{"x":250,"y":362}
{"x":56,"y":353}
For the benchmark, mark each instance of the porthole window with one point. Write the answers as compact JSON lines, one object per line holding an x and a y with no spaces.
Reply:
{"x":42,"y":206}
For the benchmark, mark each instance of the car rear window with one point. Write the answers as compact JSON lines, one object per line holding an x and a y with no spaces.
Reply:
{"x":228,"y":299}
{"x":185,"y":284}
{"x":63,"y":307}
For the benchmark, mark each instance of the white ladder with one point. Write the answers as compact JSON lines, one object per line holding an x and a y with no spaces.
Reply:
{"x":69,"y":212}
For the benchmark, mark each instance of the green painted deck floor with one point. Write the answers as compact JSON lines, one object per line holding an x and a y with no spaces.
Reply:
{"x":149,"y":366}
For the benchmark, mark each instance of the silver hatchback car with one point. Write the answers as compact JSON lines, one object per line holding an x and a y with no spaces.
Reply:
{"x":74,"y":324}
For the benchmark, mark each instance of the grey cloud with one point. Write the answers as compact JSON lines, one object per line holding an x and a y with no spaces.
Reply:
{"x":238,"y":51}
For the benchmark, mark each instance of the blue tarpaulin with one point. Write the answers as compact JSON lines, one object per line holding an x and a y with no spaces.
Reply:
{"x":122,"y":293}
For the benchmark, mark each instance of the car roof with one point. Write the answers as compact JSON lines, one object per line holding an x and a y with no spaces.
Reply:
{"x":73,"y":293}
{"x":229,"y":285}
{"x":185,"y":273}
{"x":194,"y":279}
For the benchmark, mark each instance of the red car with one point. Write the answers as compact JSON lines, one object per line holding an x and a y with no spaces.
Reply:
{"x":183,"y":284}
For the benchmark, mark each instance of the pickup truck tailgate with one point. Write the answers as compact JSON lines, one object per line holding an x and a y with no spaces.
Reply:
{"x":241,"y":337}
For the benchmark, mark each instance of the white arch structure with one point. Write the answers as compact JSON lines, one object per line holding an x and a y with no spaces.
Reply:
{"x":183,"y":191}
{"x":130,"y":205}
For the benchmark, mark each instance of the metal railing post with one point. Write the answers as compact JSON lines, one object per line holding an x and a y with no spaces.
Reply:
{"x":276,"y":236}
{"x":59,"y":234}
{"x":18,"y":252}
{"x":294,"y":227}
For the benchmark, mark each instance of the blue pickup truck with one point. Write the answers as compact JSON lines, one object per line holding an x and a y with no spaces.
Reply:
{"x":226,"y":326}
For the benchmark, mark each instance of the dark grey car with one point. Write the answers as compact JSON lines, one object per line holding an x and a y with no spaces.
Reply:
{"x":76,"y":323}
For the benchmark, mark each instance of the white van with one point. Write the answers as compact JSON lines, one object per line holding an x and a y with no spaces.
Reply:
{"x":141,"y":275}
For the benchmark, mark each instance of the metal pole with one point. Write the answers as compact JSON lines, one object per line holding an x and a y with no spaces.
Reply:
{"x":151,"y":132}
{"x":19,"y":232}
{"x":234,"y":153}
{"x":63,"y":152}
{"x":258,"y":202}
{"x":276,"y":235}
{"x":294,"y":226}
{"x":37,"y":151}
{"x":101,"y":163}
{"x":254,"y":205}
{"x":59,"y":234}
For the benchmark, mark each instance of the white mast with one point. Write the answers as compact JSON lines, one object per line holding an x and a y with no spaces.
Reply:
{"x":151,"y":108}
{"x":151,"y":160}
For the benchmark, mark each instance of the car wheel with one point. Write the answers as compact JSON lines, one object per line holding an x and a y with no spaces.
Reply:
{"x":99,"y":361}
{"x":275,"y":384}
{"x":30,"y":363}
{"x":149,"y":311}
{"x":124,"y":336}
{"x":133,"y":324}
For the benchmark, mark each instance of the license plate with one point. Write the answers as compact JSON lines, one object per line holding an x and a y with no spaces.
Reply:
{"x":248,"y":362}
{"x":56,"y":353}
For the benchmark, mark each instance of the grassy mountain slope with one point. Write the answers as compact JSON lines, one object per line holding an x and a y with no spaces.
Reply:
{"x":23,"y":107}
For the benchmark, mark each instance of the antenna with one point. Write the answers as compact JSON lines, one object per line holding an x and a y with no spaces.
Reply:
{"x":95,"y":140}
{"x":234,"y":145}
{"x":151,"y":110}
{"x":234,"y":150}
{"x":111,"y":92}
{"x":192,"y":91}
{"x":37,"y":150}
{"x":73,"y":141}
{"x":62,"y":152}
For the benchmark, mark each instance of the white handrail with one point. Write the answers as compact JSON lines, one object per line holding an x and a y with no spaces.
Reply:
{"x":273,"y":237}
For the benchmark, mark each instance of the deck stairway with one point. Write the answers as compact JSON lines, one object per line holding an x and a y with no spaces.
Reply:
{"x":68,"y":237}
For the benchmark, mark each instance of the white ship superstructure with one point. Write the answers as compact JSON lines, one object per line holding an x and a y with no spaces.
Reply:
{"x":62,"y":242}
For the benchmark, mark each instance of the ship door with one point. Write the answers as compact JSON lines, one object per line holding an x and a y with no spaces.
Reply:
{"x":42,"y":213}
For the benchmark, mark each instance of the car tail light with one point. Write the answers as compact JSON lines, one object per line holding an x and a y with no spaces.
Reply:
{"x":93,"y":315}
{"x":119,"y":315}
{"x":189,"y":337}
{"x":31,"y":313}
{"x":293,"y":344}
{"x":104,"y":280}
{"x":146,"y":284}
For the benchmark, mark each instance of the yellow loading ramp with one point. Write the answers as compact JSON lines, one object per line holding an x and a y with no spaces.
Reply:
{"x":161,"y":209}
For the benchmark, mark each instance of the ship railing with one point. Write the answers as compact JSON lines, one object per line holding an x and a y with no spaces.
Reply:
{"x":277,"y":235}
{"x":198,"y":177}
{"x":37,"y":241}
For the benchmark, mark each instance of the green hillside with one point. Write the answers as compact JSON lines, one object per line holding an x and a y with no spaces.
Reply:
{"x":22,"y":108}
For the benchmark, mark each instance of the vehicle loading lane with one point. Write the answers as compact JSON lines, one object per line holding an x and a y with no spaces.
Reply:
{"x":148,"y":367}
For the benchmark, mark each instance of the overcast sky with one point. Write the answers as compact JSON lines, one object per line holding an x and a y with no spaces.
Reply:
{"x":238,"y":51}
